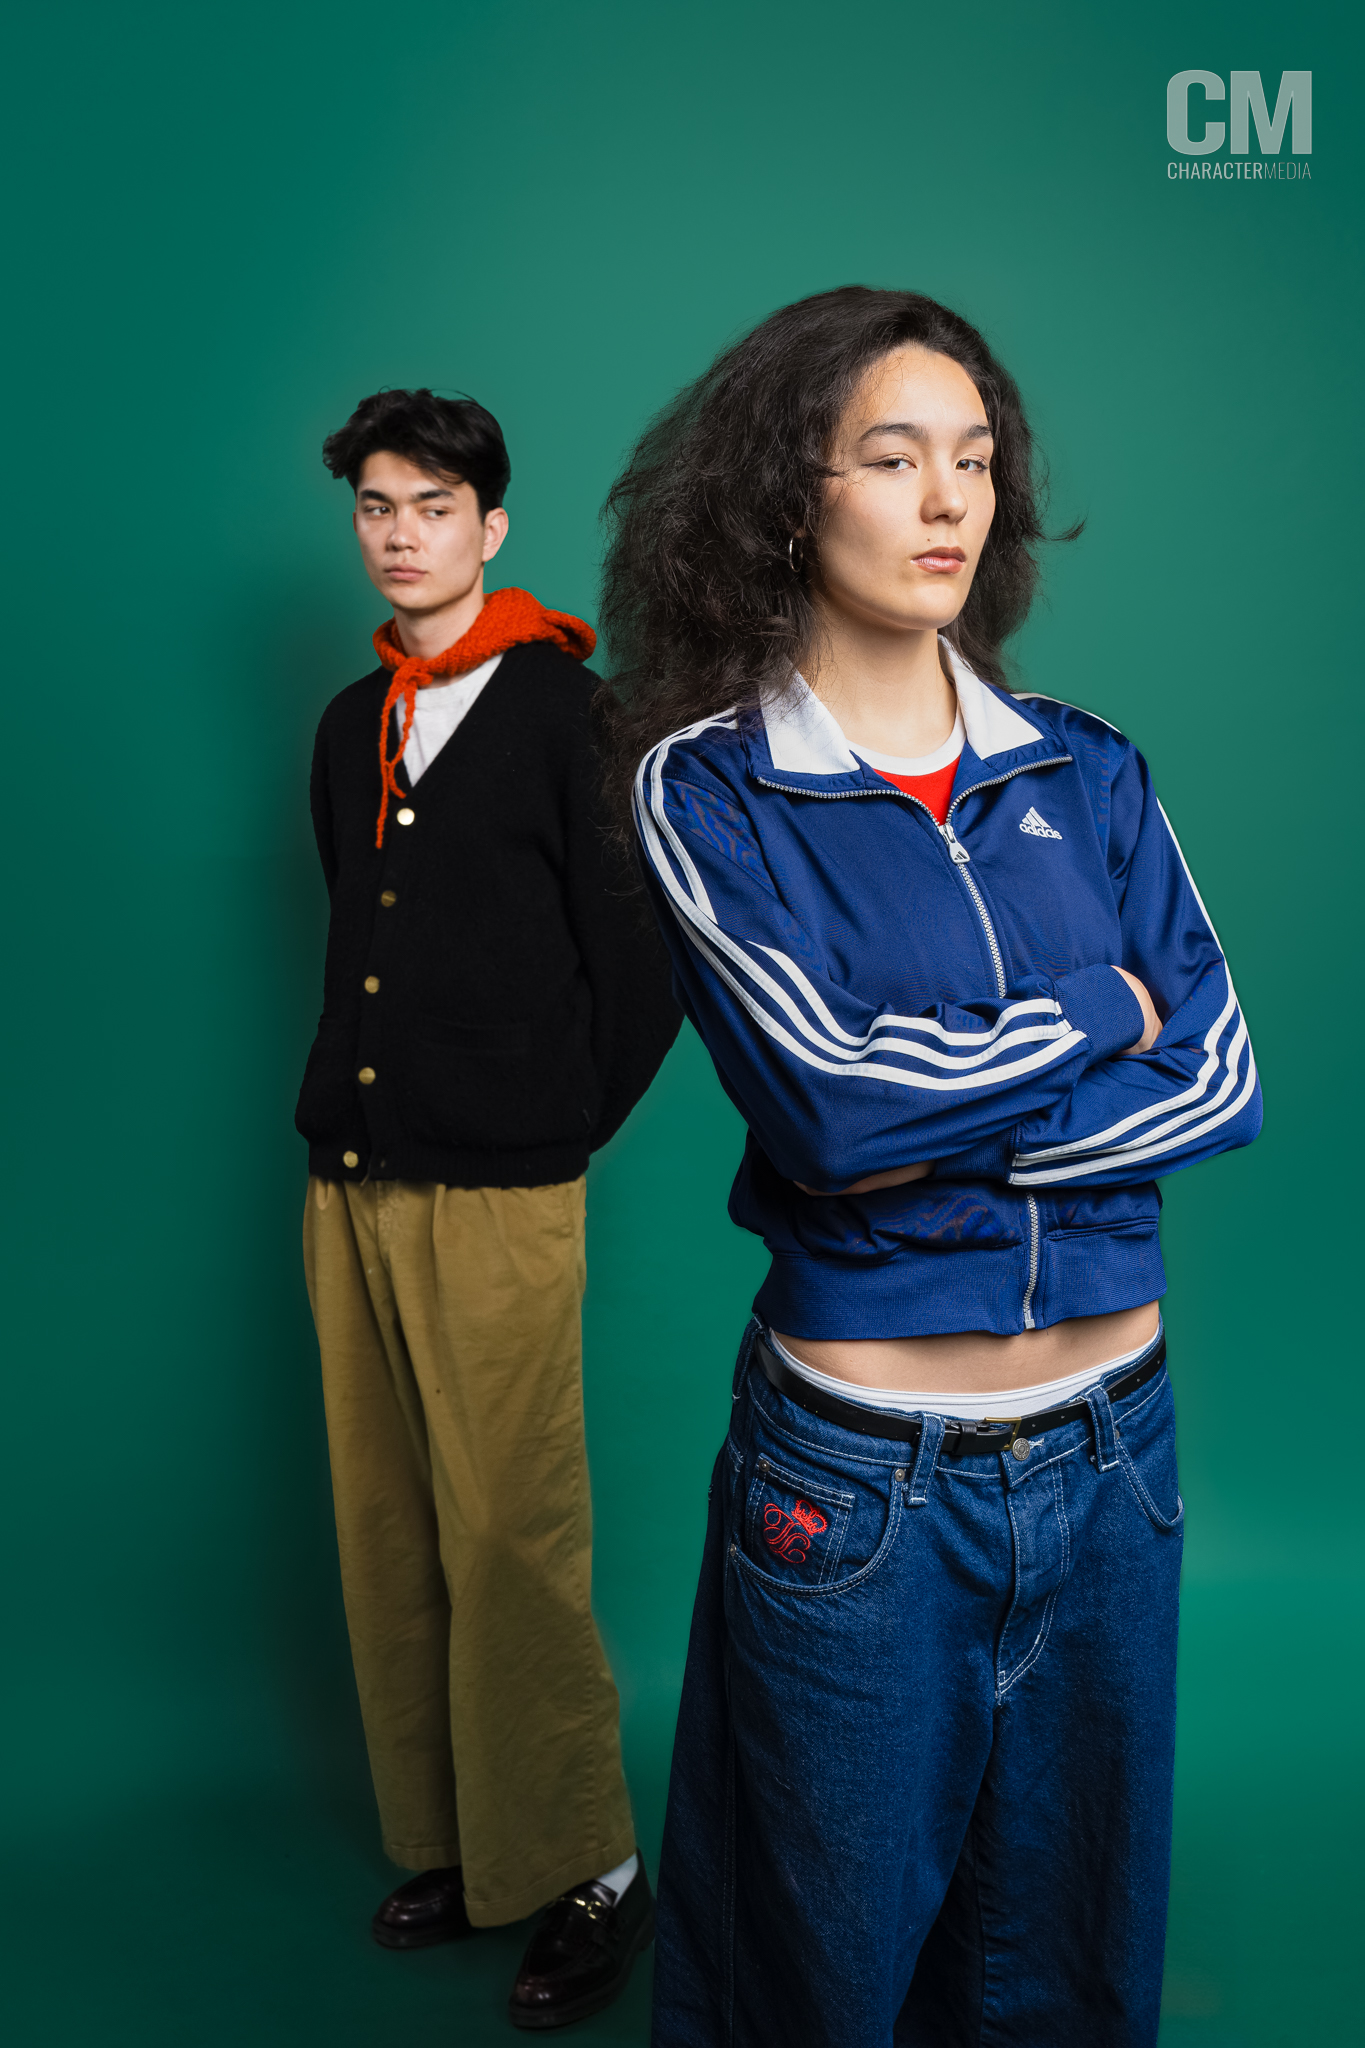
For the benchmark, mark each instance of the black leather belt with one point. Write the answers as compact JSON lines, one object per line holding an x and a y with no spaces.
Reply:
{"x":960,"y":1439}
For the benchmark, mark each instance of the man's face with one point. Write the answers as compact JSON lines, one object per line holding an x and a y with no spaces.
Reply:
{"x":423,"y":537}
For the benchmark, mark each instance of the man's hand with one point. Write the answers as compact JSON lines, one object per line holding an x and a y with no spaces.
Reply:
{"x":892,"y":1178}
{"x":1151,"y":1023}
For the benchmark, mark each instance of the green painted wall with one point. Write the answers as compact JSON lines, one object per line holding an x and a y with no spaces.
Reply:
{"x":226,"y":226}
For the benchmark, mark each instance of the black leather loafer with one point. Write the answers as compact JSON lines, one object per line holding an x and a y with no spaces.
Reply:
{"x":426,"y":1910}
{"x":580,"y":1957}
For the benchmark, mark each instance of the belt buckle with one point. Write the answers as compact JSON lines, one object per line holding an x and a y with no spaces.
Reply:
{"x":1019,"y":1445}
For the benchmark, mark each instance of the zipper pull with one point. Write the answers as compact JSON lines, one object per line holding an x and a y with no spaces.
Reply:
{"x":955,"y":846}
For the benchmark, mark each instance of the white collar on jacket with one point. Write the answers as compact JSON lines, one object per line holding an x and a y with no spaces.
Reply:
{"x":804,"y":737}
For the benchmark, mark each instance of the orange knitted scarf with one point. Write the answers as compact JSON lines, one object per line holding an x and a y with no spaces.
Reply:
{"x":510,"y":618}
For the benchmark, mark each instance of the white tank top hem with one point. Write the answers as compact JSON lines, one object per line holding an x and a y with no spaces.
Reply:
{"x":1005,"y":1401}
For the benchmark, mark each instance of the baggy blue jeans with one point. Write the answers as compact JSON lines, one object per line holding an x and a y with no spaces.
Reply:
{"x":921,"y":1787}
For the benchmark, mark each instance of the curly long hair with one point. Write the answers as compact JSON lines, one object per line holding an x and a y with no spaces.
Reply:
{"x":702,"y":607}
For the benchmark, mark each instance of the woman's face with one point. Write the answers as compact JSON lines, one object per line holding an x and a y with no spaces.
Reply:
{"x":906,"y":518}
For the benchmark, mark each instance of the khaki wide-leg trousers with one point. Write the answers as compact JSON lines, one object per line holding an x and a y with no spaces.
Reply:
{"x":450,"y":1330}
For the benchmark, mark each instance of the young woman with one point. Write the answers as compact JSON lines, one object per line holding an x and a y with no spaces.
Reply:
{"x":944,"y":950}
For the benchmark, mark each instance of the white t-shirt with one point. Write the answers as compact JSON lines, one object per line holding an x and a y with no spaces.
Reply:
{"x":920,"y":764}
{"x":440,"y":707}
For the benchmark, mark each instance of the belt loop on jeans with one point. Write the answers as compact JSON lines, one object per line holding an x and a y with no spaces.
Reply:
{"x":926,"y":1461}
{"x":1102,"y":1422}
{"x":746,"y":1352}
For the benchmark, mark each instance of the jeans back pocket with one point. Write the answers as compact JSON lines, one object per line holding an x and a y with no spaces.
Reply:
{"x":795,"y":1528}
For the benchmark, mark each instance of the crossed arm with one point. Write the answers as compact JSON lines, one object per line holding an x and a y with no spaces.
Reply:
{"x":896,"y":1176}
{"x":1062,"y":1078}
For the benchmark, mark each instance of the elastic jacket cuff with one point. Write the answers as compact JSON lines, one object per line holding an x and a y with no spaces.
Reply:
{"x":1099,"y":1002}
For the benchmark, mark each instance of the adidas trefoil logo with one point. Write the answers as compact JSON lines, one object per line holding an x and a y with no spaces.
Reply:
{"x":1038,"y":827}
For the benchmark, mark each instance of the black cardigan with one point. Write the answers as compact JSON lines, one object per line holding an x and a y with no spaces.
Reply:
{"x":521,"y":1000}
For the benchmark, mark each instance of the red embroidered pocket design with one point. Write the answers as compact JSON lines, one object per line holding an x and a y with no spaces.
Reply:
{"x":788,"y":1535}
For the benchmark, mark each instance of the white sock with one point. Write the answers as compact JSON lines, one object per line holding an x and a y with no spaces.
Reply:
{"x":619,"y":1881}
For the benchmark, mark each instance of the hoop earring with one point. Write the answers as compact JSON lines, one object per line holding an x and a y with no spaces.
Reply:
{"x":792,"y":563}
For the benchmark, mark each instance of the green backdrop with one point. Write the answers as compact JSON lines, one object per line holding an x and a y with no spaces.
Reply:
{"x":230,"y":224}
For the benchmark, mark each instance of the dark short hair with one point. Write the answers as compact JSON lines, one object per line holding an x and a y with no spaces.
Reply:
{"x":447,"y":437}
{"x":702,"y":609}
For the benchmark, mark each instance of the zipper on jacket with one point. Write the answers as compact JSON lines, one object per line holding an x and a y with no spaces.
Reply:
{"x":961,"y":860}
{"x":1033,"y":1249}
{"x":960,"y":855}
{"x":994,"y":782}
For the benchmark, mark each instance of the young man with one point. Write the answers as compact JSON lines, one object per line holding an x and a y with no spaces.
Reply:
{"x":495,"y":1004}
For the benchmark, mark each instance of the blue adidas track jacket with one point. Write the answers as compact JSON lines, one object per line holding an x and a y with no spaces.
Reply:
{"x":877,"y":990}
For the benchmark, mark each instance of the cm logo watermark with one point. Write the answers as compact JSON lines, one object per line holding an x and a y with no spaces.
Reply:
{"x":1247,"y":106}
